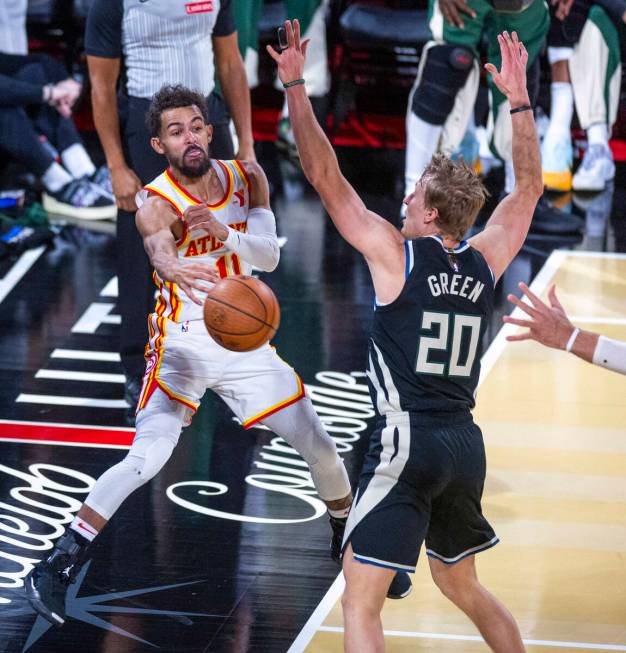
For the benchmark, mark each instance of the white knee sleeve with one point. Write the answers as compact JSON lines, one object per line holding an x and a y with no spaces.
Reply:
{"x":158,"y":428}
{"x":301,"y":428}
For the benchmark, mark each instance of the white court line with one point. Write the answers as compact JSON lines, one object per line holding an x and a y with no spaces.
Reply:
{"x":539,"y":284}
{"x":19,"y":269}
{"x":475,"y":638}
{"x":67,"y":375}
{"x":86,"y":355}
{"x":89,"y":402}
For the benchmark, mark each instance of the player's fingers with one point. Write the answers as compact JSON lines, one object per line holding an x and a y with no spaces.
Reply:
{"x":519,"y":336}
{"x":272,"y":52}
{"x":527,"y":324}
{"x":554,"y":300}
{"x":527,"y":308}
{"x":305,"y":45}
{"x":534,"y":300}
{"x":189,"y":292}
{"x":296,"y":33}
{"x":290,"y":35}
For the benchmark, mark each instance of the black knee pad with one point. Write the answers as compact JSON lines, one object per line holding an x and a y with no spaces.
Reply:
{"x":443,"y":76}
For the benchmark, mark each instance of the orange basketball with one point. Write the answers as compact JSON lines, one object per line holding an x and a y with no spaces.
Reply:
{"x":241,"y":313}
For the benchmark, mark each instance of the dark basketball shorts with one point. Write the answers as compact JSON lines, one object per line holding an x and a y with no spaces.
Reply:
{"x":421,"y":481}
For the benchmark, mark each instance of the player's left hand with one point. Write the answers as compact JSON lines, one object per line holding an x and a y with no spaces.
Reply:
{"x":549,"y":325}
{"x":199,"y":216}
{"x":291,"y":60}
{"x":563,"y":8}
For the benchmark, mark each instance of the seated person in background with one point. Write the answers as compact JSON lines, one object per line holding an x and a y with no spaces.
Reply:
{"x":36,"y":99}
{"x":32,"y":106}
{"x":584,"y":56}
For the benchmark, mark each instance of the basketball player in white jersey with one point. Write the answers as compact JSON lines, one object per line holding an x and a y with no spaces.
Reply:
{"x":200,"y":220}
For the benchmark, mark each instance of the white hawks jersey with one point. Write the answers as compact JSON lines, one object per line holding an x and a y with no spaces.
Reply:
{"x":198,"y":246}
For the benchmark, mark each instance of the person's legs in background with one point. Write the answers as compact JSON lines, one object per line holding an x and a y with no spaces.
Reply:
{"x":595,"y":70}
{"x":442,"y":99}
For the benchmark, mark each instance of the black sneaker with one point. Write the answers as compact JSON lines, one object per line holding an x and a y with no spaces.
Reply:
{"x":102,"y":178}
{"x":46,"y":585}
{"x":400,"y":587}
{"x":80,"y":199}
{"x":547,"y":219}
{"x":339,"y":526}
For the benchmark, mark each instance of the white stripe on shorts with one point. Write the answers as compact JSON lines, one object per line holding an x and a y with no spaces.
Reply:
{"x":475,"y":549}
{"x":386,"y":474}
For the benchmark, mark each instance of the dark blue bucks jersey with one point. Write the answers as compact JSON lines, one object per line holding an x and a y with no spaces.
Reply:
{"x":425,"y":348}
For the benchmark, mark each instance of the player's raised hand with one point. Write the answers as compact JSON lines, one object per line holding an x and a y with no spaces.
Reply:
{"x":291,"y":59}
{"x":511,"y":78}
{"x":549,"y":325}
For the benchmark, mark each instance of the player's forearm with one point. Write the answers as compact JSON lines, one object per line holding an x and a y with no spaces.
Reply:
{"x":259,"y":246}
{"x":107,"y":122}
{"x":526,"y":153}
{"x":585,"y":345}
{"x":317,"y":157}
{"x":237,"y":95}
{"x":163,"y":256}
{"x":609,"y":353}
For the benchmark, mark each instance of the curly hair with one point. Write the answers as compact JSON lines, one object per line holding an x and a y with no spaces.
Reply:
{"x":455,"y":190}
{"x":172,"y":97}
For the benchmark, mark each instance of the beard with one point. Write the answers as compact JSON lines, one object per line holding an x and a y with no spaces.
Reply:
{"x":196,"y":167}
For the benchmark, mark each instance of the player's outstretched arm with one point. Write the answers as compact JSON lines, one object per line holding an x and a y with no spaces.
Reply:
{"x":506,"y":230}
{"x":550,"y":326}
{"x":367,"y":232}
{"x":154,"y":220}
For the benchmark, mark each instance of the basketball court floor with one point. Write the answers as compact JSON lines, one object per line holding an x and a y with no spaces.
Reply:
{"x":227,"y":549}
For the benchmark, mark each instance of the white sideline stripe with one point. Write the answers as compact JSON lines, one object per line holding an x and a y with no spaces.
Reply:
{"x":55,"y":400}
{"x":19,"y":269}
{"x":488,"y":360}
{"x":58,"y":443}
{"x":314,"y":622}
{"x":67,"y":375}
{"x":475,"y":638}
{"x":86,"y":355}
{"x":66,"y":425}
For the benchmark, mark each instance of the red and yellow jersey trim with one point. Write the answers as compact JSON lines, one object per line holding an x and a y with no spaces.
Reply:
{"x":274,"y":409}
{"x":162,"y":195}
{"x":228,"y":175}
{"x":243,"y":174}
{"x":157,"y":330}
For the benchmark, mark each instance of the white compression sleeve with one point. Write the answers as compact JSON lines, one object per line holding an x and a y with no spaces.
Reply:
{"x":610,"y":354}
{"x":259,"y":246}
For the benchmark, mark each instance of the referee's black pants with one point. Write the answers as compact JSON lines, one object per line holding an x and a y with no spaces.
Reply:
{"x":136,"y":288}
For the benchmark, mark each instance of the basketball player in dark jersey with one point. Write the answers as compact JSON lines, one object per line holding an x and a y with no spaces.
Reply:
{"x":423,"y":477}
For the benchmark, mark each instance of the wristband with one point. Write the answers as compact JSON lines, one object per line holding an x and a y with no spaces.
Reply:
{"x":572,"y":340}
{"x":524,"y":107}
{"x":294,"y":82}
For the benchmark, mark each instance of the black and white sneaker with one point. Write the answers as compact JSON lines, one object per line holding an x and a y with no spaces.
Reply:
{"x":80,"y":199}
{"x":339,"y":526}
{"x":400,"y":587}
{"x":46,"y":585}
{"x":102,"y":178}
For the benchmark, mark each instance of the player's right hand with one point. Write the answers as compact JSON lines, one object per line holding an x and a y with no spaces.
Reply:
{"x":291,"y":60}
{"x":189,"y":277}
{"x":125,"y":185}
{"x":452,"y":11}
{"x":511,"y":78}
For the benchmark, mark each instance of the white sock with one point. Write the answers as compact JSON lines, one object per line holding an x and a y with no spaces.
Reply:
{"x":342,"y":513}
{"x":55,"y":177}
{"x":77,"y":161}
{"x":562,"y":107}
{"x":422,"y":140}
{"x":83,"y":529}
{"x":598,"y":134}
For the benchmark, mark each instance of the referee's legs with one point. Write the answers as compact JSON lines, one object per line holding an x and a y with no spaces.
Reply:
{"x":459,"y":583}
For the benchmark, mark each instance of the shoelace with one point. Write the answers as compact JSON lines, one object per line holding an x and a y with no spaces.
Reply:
{"x":83,"y":194}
